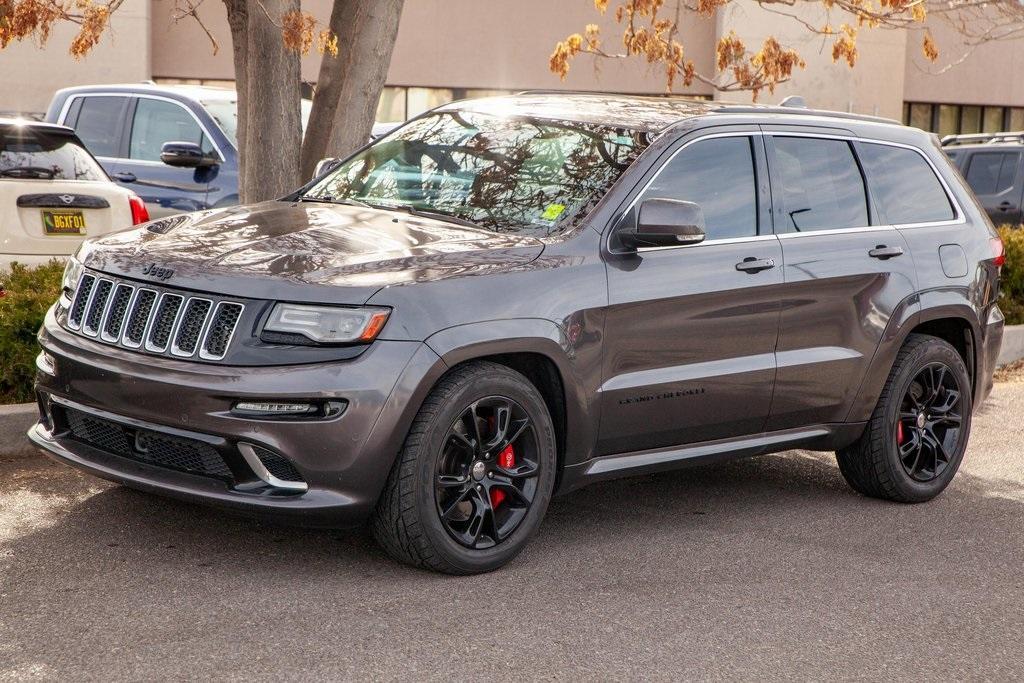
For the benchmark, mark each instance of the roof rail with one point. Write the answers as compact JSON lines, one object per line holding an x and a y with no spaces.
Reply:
{"x":986,"y":138}
{"x":555,"y":91}
{"x":660,"y":96}
{"x":777,"y":109}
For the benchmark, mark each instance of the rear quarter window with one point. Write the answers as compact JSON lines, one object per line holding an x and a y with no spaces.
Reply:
{"x":30,"y":153}
{"x":904,"y":185}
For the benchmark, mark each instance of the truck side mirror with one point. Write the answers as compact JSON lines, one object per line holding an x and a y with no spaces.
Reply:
{"x":185,"y":155}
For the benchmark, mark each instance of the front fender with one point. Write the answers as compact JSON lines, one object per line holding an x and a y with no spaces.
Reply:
{"x":574,"y":364}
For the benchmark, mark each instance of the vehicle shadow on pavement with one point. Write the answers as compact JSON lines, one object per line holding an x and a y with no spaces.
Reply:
{"x":664,"y":571}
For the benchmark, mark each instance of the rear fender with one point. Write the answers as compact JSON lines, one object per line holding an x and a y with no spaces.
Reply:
{"x":934,"y":304}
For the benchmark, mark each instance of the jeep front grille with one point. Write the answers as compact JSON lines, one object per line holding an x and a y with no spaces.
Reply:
{"x":153,"y":320}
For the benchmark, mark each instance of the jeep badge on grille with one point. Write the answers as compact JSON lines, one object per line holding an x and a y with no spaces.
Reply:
{"x":158,"y":272}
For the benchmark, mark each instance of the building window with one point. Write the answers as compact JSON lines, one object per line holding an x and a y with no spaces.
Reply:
{"x":960,"y":119}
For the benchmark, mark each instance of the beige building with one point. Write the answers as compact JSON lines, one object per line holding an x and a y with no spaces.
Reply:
{"x":449,"y":49}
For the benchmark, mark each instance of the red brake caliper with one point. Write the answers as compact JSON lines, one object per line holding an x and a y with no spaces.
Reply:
{"x":506,"y":460}
{"x":899,"y":433}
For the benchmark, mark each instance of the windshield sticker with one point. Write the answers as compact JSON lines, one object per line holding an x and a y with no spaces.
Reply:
{"x":552,"y":212}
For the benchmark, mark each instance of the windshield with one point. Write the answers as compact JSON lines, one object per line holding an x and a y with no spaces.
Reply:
{"x":225,"y":113}
{"x":511,"y":175}
{"x":29,"y":152}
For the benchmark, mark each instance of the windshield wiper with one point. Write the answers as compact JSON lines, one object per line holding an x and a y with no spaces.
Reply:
{"x":427,"y":213}
{"x":27,"y":171}
{"x":406,"y":208}
{"x":331,"y":200}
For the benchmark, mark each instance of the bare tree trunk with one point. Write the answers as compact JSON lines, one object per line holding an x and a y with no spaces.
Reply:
{"x":349,"y":84}
{"x":238,"y":21}
{"x":273,"y":129}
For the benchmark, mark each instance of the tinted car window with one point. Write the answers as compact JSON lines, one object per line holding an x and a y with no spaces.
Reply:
{"x":26,"y":152}
{"x":157,"y":122}
{"x":820,"y":184}
{"x":904,"y":185}
{"x":992,"y":172}
{"x":98,"y":124}
{"x":717,"y":174}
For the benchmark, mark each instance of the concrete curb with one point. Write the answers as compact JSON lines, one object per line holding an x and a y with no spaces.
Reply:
{"x":1013,"y":344}
{"x":14,"y":422}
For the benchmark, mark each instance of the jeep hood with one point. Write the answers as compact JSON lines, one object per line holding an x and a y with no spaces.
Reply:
{"x":304,"y":251}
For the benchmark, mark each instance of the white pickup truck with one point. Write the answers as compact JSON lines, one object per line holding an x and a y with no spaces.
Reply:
{"x":54,"y":194}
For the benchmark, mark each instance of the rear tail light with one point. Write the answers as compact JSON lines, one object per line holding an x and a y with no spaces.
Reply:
{"x":998,"y":253}
{"x":139,"y":212}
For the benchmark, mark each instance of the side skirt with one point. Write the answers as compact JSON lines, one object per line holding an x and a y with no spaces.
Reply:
{"x":825,"y":437}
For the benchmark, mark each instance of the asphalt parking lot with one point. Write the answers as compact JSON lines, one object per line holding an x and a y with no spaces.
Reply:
{"x":769,"y":567}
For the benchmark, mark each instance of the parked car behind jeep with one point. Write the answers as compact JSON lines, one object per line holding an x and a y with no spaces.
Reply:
{"x":510,"y":298}
{"x":993,"y":165}
{"x":54,"y":194}
{"x":175,"y":145}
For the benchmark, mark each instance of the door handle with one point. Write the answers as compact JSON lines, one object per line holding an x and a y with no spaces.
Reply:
{"x":883,"y":252}
{"x":1005,"y":206}
{"x":755,"y":265}
{"x":124,"y":176}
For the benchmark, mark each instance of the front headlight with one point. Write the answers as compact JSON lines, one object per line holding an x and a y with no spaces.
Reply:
{"x":68,"y":284}
{"x":328,"y":324}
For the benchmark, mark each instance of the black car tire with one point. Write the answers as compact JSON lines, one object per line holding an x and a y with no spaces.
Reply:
{"x":872,"y":465}
{"x":407,"y":522}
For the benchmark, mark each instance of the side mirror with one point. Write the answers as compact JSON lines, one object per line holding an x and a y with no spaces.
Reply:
{"x":325,"y":165}
{"x":185,"y":155}
{"x":665,"y":223}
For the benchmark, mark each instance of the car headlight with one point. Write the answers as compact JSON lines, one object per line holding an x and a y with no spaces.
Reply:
{"x":68,"y":283}
{"x":328,"y":324}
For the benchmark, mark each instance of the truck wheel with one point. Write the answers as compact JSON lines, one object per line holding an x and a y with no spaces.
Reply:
{"x":916,"y":438}
{"x":474,"y":477}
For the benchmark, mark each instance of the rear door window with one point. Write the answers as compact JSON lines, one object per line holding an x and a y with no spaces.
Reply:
{"x":99,"y":124}
{"x":904,"y":185}
{"x":718,"y":174}
{"x":29,"y":153}
{"x":820,"y":185}
{"x":159,"y":121}
{"x":992,"y":172}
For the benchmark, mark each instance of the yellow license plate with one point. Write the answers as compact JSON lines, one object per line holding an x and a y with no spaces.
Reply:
{"x":63,"y":223}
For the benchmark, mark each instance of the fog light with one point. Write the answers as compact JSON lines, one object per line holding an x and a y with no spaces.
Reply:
{"x":273,"y":409}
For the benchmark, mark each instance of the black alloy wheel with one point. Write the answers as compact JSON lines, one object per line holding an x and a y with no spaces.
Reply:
{"x":475,"y":475}
{"x":928,"y":429}
{"x":487,"y":472}
{"x":915,"y":440}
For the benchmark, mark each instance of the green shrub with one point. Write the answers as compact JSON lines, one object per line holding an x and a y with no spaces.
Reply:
{"x":1012,"y":279}
{"x":28,"y":292}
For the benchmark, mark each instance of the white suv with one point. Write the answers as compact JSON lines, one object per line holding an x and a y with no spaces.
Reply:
{"x":54,"y":194}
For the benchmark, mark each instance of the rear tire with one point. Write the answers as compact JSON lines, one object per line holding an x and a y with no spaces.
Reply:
{"x":474,"y":477}
{"x":915,"y":440}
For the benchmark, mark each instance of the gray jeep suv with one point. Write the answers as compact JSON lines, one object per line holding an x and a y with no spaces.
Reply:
{"x":510,"y":298}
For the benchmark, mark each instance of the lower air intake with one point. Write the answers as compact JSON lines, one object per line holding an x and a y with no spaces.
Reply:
{"x":147,"y":446}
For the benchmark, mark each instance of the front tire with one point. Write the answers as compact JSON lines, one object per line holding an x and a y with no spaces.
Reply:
{"x":915,"y":441}
{"x":474,"y":477}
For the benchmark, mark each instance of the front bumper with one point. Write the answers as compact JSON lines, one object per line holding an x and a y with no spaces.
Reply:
{"x":343,"y":459}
